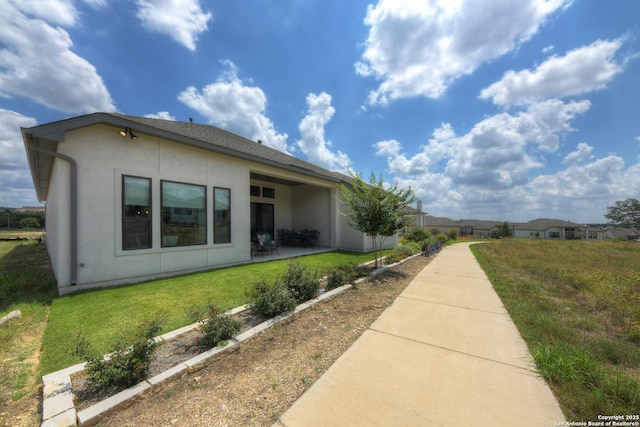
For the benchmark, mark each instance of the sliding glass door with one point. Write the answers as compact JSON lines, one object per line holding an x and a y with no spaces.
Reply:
{"x":262,"y":219}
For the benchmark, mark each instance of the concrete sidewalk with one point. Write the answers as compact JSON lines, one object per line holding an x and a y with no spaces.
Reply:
{"x":445,"y":353}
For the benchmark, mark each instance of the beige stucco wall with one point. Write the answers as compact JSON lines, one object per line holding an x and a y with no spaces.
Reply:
{"x":58,"y":221}
{"x":101,"y":259}
{"x":103,"y":157}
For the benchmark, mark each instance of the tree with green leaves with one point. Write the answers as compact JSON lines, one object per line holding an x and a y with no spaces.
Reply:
{"x":505,"y":230}
{"x":625,"y":212}
{"x":375,"y":210}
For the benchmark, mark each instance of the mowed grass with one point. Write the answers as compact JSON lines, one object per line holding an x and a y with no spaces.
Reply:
{"x":577,"y":305}
{"x":105,"y":315}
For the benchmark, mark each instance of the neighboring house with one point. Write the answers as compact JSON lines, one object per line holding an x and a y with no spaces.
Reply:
{"x":34,"y":209}
{"x":419,"y":217}
{"x":441,"y":224}
{"x":480,"y":228}
{"x":464,"y":227}
{"x":621,"y":233}
{"x":544,"y":228}
{"x":135,"y":198}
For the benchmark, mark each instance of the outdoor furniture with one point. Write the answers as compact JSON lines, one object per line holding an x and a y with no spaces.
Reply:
{"x":263,"y":244}
{"x":283,"y":237}
{"x":313,"y":238}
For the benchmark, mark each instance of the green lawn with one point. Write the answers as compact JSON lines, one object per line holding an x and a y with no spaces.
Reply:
{"x":44,"y":338}
{"x":577,"y":305}
{"x":104,"y":315}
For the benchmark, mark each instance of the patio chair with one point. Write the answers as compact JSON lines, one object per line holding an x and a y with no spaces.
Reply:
{"x":314,"y":238}
{"x":264,"y":243}
{"x":282,"y":236}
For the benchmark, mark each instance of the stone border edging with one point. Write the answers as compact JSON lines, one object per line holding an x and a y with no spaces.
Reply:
{"x":58,"y":409}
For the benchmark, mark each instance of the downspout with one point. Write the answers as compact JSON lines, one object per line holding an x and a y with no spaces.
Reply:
{"x":73,"y":205}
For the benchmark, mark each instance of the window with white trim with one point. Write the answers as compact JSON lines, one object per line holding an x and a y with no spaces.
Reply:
{"x":184,"y":214}
{"x":222,"y":215}
{"x":136,"y":213}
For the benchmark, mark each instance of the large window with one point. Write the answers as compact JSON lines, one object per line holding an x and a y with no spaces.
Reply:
{"x":184,"y":214}
{"x":136,"y":213}
{"x":222,"y":215}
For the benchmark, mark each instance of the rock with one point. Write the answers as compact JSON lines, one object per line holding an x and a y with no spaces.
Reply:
{"x":16,"y":314}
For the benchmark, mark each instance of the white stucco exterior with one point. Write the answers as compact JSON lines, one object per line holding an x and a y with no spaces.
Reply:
{"x":302,"y":201}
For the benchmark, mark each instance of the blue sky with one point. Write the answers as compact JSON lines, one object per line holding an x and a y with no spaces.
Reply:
{"x":489,"y":109}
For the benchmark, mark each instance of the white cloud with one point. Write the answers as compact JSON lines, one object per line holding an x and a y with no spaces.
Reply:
{"x":581,"y":70}
{"x":312,"y":142}
{"x":60,"y":12}
{"x":38,"y":63}
{"x":164,"y":115}
{"x":582,"y":193}
{"x":582,"y":154}
{"x":231,"y":105}
{"x":17,"y":187}
{"x":182,"y":20}
{"x":488,"y":169}
{"x":96,"y":3}
{"x":420,"y":48}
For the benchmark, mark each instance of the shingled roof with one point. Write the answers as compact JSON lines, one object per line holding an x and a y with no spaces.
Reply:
{"x":542,"y":224}
{"x":223,"y":139}
{"x":202,"y":136}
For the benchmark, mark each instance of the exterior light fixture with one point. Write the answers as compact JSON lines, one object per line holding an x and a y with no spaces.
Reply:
{"x":126,"y":131}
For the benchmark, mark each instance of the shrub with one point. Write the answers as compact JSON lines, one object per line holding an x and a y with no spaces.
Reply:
{"x":29,"y":222}
{"x":300,"y":281}
{"x":442,"y":238}
{"x":270,"y":300}
{"x":403,"y":250}
{"x":127,"y":365}
{"x":345,"y":274}
{"x":417,"y":235}
{"x":217,"y":327}
{"x":453,"y":234}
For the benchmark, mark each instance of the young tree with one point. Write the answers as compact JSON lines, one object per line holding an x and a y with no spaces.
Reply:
{"x":625,"y":212}
{"x":374,"y":210}
{"x":505,"y":230}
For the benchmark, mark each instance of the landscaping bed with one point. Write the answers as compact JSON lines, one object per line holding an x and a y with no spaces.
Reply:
{"x":254,"y":382}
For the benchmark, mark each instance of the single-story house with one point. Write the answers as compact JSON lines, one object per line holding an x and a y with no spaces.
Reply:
{"x":135,"y":198}
{"x":621,"y":233}
{"x":464,"y":227}
{"x":30,"y":209}
{"x":441,"y":224}
{"x":545,"y":228}
{"x":480,"y":228}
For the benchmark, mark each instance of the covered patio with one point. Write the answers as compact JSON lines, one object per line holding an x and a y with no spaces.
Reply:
{"x":294,"y":211}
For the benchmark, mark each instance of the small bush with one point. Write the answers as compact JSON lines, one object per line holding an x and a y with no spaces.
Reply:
{"x":418,"y":235}
{"x":403,"y":250}
{"x":270,"y":300}
{"x":338,"y":276}
{"x":217,"y":327}
{"x":29,"y":223}
{"x":344,"y":274}
{"x":128,"y":364}
{"x":453,"y":234}
{"x":300,"y":281}
{"x":442,"y":238}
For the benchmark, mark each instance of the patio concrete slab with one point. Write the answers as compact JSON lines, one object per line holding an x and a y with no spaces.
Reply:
{"x":445,"y":353}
